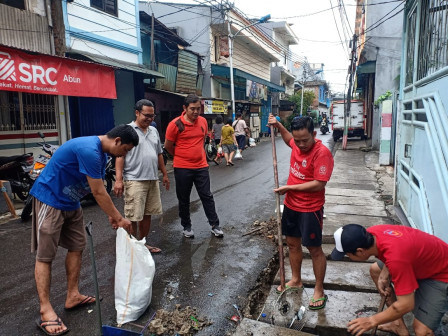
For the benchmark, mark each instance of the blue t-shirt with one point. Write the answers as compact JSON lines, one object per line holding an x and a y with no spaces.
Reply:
{"x":63,"y":181}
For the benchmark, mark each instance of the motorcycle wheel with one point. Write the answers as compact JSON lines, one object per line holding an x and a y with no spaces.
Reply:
{"x":210,"y":151}
{"x":108,"y":185}
{"x":27,"y":209}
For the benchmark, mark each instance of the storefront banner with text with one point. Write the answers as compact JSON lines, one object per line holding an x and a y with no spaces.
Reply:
{"x":20,"y":71}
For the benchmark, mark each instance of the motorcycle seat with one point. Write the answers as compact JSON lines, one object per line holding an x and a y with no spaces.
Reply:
{"x":14,"y":158}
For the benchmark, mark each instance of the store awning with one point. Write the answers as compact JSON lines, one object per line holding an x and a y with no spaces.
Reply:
{"x":367,"y":67}
{"x":223,"y":71}
{"x":120,"y":64}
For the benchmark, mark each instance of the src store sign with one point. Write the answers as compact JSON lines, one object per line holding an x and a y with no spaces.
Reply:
{"x":43,"y":74}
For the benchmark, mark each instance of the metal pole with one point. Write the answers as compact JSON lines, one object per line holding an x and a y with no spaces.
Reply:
{"x":95,"y":279}
{"x":232,"y":88}
{"x":301,"y":102}
{"x":279,"y":218}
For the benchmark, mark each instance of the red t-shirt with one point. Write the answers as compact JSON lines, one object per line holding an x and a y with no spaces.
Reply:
{"x":189,"y":144}
{"x":316,"y":164}
{"x":410,"y":255}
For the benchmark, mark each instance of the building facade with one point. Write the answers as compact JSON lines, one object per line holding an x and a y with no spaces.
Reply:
{"x":422,"y":142}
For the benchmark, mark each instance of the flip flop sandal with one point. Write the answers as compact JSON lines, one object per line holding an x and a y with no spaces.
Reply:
{"x":84,"y":303}
{"x":289,"y":289}
{"x":43,"y":324}
{"x":324,"y":299}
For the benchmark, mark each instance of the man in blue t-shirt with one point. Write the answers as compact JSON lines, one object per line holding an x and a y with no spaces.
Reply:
{"x":76,"y":169}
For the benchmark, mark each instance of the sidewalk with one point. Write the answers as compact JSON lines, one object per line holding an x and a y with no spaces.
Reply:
{"x":360,"y":191}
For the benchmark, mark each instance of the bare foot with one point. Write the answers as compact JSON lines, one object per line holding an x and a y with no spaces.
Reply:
{"x":291,"y":285}
{"x":79,"y":301}
{"x":396,"y":327}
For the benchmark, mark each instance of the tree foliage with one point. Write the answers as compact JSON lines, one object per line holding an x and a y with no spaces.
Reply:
{"x":308,"y":97}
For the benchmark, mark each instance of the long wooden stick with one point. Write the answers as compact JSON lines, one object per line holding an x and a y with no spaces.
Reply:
{"x":380,"y":309}
{"x":8,"y":201}
{"x":279,"y":218}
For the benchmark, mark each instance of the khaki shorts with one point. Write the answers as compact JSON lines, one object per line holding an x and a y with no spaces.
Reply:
{"x":52,"y":228}
{"x":141,"y":198}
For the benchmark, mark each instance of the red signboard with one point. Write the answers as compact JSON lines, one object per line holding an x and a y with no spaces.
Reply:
{"x":44,"y":74}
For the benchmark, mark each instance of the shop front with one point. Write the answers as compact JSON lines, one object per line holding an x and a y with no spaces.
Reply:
{"x":32,"y":87}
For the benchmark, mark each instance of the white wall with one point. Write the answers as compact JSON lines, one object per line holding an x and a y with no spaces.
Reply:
{"x":94,"y":31}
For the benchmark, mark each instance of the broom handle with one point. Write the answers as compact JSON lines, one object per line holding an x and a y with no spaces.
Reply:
{"x":380,"y":309}
{"x":95,"y":279}
{"x":279,"y":219}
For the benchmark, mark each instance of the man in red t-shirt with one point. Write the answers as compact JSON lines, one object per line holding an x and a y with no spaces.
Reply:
{"x":184,"y":139}
{"x":310,"y":169}
{"x":414,"y":261}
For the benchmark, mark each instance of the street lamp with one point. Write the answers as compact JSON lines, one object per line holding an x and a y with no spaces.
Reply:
{"x":231,"y":37}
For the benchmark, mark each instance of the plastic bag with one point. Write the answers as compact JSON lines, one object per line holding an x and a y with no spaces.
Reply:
{"x":238,"y":154}
{"x":219,"y":150}
{"x":134,"y":273}
{"x":252,"y":142}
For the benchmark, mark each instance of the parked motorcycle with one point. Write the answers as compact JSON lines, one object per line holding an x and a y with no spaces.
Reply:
{"x":43,"y":160}
{"x":324,"y":125}
{"x":15,"y":170}
{"x":39,"y":164}
{"x":211,"y":149}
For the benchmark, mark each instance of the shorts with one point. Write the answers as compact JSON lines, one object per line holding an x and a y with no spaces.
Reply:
{"x":305,"y":225}
{"x":241,"y":140}
{"x":141,"y":198}
{"x":431,"y":301}
{"x":228,"y":148}
{"x":53,"y":227}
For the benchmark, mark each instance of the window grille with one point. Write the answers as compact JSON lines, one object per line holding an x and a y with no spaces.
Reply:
{"x":412,"y":20}
{"x":39,"y":111}
{"x":433,"y":46}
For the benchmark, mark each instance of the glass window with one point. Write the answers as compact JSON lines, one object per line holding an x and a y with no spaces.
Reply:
{"x":14,"y":3}
{"x":108,"y":6}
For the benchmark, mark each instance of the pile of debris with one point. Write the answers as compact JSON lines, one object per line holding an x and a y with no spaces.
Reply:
{"x":267,"y":229}
{"x":178,"y":322}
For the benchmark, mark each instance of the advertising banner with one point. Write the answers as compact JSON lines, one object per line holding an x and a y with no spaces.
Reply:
{"x":20,"y":71}
{"x":255,"y":91}
{"x":215,"y":106}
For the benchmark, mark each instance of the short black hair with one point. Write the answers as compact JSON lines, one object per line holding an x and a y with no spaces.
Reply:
{"x":229,"y":121}
{"x":358,"y":237}
{"x":238,"y":114}
{"x":218,"y":120}
{"x":191,"y":98}
{"x":126,"y":133}
{"x":143,"y":102}
{"x":299,"y":123}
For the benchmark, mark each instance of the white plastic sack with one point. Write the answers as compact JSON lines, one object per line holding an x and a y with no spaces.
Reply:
{"x":238,"y":154}
{"x":134,"y":273}
{"x":252,"y":142}
{"x":219,"y":150}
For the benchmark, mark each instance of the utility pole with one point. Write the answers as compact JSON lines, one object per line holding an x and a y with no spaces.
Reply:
{"x":348,"y":101}
{"x":152,"y":43}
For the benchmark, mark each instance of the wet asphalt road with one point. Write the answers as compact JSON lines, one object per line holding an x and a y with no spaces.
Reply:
{"x":193,"y":268}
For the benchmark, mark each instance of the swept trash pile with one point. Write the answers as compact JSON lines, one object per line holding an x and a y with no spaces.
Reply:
{"x":178,"y":322}
{"x":267,"y":229}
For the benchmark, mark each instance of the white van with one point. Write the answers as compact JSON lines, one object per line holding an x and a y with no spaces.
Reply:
{"x":356,"y":120}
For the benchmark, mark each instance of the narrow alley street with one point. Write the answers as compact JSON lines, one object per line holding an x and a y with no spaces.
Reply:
{"x":187,"y":271}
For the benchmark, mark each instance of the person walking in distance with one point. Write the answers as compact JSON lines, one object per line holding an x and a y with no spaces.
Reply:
{"x":184,"y":139}
{"x":310,"y":168}
{"x":76,"y":169}
{"x":228,"y":142}
{"x":216,"y":131}
{"x":241,"y":130}
{"x":137,"y":173}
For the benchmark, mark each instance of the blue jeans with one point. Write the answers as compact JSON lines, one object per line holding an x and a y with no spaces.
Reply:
{"x":185,"y":178}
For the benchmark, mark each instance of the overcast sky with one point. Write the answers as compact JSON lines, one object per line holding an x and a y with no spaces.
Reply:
{"x":314,"y":24}
{"x":318,"y":37}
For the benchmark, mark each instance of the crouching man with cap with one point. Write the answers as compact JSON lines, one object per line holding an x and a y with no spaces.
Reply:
{"x":414,"y":261}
